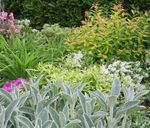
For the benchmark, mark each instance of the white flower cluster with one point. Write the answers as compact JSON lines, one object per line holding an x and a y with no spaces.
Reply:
{"x":129,"y":72}
{"x":74,"y":59}
{"x":35,"y":31}
{"x":23,"y":23}
{"x":78,"y":58}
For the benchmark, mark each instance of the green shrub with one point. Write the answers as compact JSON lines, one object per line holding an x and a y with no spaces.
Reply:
{"x":117,"y":37}
{"x":92,"y":76}
{"x":55,"y":33}
{"x":58,"y":105}
{"x":65,"y":12}
{"x":73,"y":70}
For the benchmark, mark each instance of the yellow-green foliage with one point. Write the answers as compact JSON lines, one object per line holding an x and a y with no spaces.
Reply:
{"x":92,"y":76}
{"x":117,"y":37}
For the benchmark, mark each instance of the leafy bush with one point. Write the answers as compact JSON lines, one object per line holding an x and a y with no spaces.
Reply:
{"x":116,"y":37}
{"x":23,"y":52}
{"x":60,"y":106}
{"x":55,"y":33}
{"x":73,"y":70}
{"x":65,"y":12}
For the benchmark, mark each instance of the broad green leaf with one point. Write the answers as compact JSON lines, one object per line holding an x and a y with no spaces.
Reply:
{"x":6,"y":94}
{"x":72,"y":123}
{"x":54,"y":125}
{"x":142,"y":93}
{"x":54,"y":115}
{"x":116,"y":88}
{"x":25,"y":121}
{"x":10,"y":109}
{"x":26,"y":110}
{"x":129,"y":105}
{"x":47,"y":124}
{"x":88,"y":121}
{"x":111,"y":101}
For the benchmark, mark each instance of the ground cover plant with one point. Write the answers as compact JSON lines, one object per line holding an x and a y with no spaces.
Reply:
{"x":58,"y":105}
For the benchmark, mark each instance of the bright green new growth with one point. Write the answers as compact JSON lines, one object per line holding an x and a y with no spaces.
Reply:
{"x":58,"y":105}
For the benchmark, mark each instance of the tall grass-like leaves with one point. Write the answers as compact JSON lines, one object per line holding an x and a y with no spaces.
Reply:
{"x":18,"y":54}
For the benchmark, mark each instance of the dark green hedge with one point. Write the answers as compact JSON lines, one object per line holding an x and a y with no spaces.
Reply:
{"x":65,"y":12}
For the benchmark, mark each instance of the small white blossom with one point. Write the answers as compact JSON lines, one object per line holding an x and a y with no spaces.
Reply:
{"x":35,"y":30}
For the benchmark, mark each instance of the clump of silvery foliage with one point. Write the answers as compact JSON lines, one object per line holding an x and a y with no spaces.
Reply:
{"x":59,"y":105}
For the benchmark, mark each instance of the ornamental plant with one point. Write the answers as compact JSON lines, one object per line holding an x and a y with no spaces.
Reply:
{"x":95,"y":76}
{"x":7,"y":25}
{"x":120,"y":36}
{"x":58,"y":105}
{"x":7,"y":86}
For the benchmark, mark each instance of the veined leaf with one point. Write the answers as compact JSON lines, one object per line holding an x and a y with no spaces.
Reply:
{"x":25,"y":121}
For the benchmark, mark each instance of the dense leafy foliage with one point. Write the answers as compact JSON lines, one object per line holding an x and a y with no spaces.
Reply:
{"x":60,"y":106}
{"x":65,"y":12}
{"x":73,"y":70}
{"x":112,"y":43}
{"x":116,"y":37}
{"x":17,"y":54}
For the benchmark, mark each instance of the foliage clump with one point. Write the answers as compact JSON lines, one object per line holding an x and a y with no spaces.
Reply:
{"x":116,"y":37}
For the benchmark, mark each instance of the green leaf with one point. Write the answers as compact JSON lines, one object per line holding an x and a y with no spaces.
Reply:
{"x":25,"y":121}
{"x":72,"y":123}
{"x":26,"y":110}
{"x":47,"y":124}
{"x":54,"y":115}
{"x":116,"y":88}
{"x":10,"y":109}
{"x":112,"y":100}
{"x":54,"y":125}
{"x":6,"y":94}
{"x":88,"y":121}
{"x":142,"y":93}
{"x":62,"y":119}
{"x":83,"y":102}
{"x":66,"y":111}
{"x":129,"y":105}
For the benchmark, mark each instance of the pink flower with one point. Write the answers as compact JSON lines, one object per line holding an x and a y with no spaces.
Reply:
{"x":2,"y":30}
{"x":3,"y":16}
{"x":7,"y":87}
{"x":18,"y":81}
{"x":11,"y":16}
{"x":16,"y":30}
{"x":11,"y":24}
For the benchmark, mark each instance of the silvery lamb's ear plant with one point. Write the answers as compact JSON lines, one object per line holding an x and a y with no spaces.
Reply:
{"x":117,"y":114}
{"x":58,"y":105}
